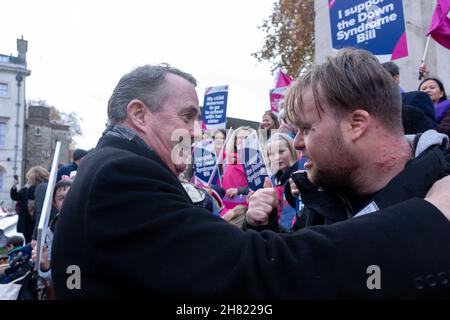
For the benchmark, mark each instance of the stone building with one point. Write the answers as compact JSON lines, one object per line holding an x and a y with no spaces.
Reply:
{"x":41,"y":136}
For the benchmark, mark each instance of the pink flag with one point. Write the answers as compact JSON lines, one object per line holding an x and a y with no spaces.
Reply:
{"x":283,"y":80}
{"x":277,"y":94}
{"x":440,"y":24}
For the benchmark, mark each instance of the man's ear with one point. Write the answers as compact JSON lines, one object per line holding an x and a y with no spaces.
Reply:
{"x":358,"y":122}
{"x":137,"y":114}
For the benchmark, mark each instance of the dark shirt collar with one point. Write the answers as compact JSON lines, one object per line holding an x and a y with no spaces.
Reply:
{"x":119,"y":131}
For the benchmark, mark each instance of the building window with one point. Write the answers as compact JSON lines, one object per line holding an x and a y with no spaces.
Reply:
{"x":2,"y":134}
{"x":4,"y":89}
{"x":37,"y":131}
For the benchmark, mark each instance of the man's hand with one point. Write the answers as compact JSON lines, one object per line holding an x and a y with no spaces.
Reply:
{"x":261,"y":205}
{"x":294,"y":189}
{"x":439,"y":196}
{"x":45,"y":263}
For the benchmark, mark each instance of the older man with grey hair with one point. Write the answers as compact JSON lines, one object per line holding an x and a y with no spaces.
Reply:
{"x":128,"y":229}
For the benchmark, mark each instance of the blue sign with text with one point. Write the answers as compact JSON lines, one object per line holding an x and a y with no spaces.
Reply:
{"x":205,"y":161}
{"x":251,"y":156}
{"x":374,"y":25}
{"x":214,"y":111}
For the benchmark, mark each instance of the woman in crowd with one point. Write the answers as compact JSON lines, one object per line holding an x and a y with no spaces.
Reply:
{"x":283,"y":162}
{"x":436,"y":91}
{"x":234,"y":179}
{"x":25,"y":199}
{"x":219,"y":140}
{"x":269,"y":123}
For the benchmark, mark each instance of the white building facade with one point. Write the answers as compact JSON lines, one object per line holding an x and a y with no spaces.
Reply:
{"x":13,"y":72}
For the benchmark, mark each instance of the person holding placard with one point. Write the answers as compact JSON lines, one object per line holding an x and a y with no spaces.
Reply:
{"x":234,"y":179}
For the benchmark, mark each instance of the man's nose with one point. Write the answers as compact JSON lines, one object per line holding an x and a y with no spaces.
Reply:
{"x":299,"y":142}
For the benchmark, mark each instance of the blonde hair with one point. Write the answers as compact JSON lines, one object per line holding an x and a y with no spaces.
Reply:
{"x":231,"y":146}
{"x":290,"y":142}
{"x":36,"y":175}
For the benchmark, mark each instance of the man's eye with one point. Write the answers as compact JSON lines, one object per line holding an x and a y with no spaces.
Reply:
{"x":186,"y":117}
{"x":304,"y":130}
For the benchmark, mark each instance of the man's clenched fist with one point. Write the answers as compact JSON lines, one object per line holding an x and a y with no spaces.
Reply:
{"x":261,"y":205}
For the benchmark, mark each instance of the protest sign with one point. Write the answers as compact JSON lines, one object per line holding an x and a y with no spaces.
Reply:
{"x":205,"y":162}
{"x":214,"y":110}
{"x":377,"y":26}
{"x":252,"y":157}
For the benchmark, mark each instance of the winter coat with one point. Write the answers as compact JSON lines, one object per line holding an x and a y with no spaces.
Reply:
{"x":129,"y":230}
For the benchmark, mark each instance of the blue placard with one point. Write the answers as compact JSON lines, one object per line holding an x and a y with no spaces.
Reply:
{"x":214,"y":111}
{"x":374,"y":25}
{"x":205,"y":161}
{"x":251,"y":157}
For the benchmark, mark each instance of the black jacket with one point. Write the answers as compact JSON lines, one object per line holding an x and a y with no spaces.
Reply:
{"x":25,"y":199}
{"x":130,"y":227}
{"x":423,"y":101}
{"x":326,"y":207}
{"x":66,"y":170}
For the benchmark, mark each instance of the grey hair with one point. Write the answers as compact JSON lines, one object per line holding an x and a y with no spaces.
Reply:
{"x":144,"y":83}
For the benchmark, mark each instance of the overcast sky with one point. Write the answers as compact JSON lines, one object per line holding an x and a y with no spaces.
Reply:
{"x":78,"y":50}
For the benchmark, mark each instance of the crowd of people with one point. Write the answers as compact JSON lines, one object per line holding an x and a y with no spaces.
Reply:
{"x":29,"y":204}
{"x":347,"y":190}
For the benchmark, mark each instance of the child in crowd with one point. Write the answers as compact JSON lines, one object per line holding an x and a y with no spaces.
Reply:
{"x":59,"y":194}
{"x":18,"y":252}
{"x":282,"y":158}
{"x":15,"y":245}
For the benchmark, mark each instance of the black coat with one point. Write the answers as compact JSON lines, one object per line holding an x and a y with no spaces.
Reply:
{"x":130,"y":227}
{"x":422,"y":101}
{"x":26,"y":221}
{"x":66,"y":170}
{"x":327,"y":207}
